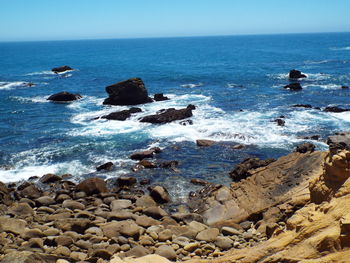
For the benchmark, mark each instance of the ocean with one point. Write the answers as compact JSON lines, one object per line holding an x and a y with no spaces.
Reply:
{"x":236,"y":83}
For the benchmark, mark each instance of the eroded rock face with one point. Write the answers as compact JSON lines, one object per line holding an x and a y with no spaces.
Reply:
{"x":169,"y":115}
{"x":64,"y":96}
{"x":127,"y":92}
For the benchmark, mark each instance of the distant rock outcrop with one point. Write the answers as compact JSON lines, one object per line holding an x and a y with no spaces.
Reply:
{"x":169,"y":115}
{"x":127,"y":92}
{"x":61,"y":69}
{"x":64,"y":96}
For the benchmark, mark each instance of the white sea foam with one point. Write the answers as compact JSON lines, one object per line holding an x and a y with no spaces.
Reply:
{"x":309,"y":76}
{"x":340,"y":48}
{"x":4,"y":85}
{"x":192,"y":85}
{"x":47,"y":72}
{"x":233,"y":85}
{"x":323,"y":86}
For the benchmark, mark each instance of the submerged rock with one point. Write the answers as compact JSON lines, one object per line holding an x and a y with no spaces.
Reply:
{"x":335,"y":109}
{"x":121,"y":115}
{"x":296,"y":74}
{"x":128,"y":92}
{"x":294,"y":87}
{"x":61,"y":69}
{"x":280,"y":122}
{"x":64,"y":96}
{"x":307,"y":106}
{"x":169,"y":115}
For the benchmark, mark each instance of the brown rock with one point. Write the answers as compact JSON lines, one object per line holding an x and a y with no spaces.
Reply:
{"x":165,"y":235}
{"x":146,"y":221}
{"x":78,"y":225}
{"x":120,"y":204}
{"x":205,"y":143}
{"x":138,"y":251}
{"x":32,"y":233}
{"x":21,"y":209}
{"x":106,"y":166}
{"x":50,"y":178}
{"x":70,"y":204}
{"x":102,"y":253}
{"x":31,"y":192}
{"x":167,"y":252}
{"x":208,"y":235}
{"x":93,"y":186}
{"x":155,"y":212}
{"x":147,"y":164}
{"x":16,"y":226}
{"x":142,"y":155}
{"x":159,"y":194}
{"x":126,"y":181}
{"x":145,"y":201}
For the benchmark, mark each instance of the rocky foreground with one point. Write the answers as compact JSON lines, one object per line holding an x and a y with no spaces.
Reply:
{"x":294,"y":209}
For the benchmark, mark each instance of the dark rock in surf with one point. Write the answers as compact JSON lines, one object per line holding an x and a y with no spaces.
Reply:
{"x":121,"y":115}
{"x":169,"y":164}
{"x":160,"y":97}
{"x":64,"y":96}
{"x":186,"y":122}
{"x":106,"y":166}
{"x":307,"y":106}
{"x":128,"y":92}
{"x":335,"y":109}
{"x":242,"y":170}
{"x":294,"y":87}
{"x":169,"y":115}
{"x":312,"y":137}
{"x":345,"y":87}
{"x":143,"y":155}
{"x":61,"y":69}
{"x":305,"y":147}
{"x":280,"y":122}
{"x":124,"y":181}
{"x":296,"y":74}
{"x":205,"y":143}
{"x":159,"y":194}
{"x":50,"y":178}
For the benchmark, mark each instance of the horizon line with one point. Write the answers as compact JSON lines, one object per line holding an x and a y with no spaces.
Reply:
{"x":169,"y":37}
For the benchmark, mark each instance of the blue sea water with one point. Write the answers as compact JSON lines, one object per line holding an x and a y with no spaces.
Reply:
{"x":236,"y":82}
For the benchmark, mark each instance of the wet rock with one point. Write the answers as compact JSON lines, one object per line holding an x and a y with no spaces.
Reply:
{"x":121,"y":115}
{"x":106,"y":166}
{"x":169,"y":164}
{"x":142,"y":155}
{"x":31,"y":192}
{"x":126,"y":181}
{"x":5,"y":197}
{"x":199,"y":181}
{"x":64,"y":96}
{"x":186,"y":122}
{"x":61,"y":69}
{"x":280,"y":122}
{"x":50,"y":178}
{"x":241,"y":171}
{"x":344,"y":87}
{"x":92,"y":186}
{"x":167,"y":252}
{"x":169,"y":115}
{"x":159,"y":194}
{"x":305,"y":147}
{"x":307,"y":106}
{"x":147,"y":164}
{"x":205,"y":143}
{"x":128,"y":92}
{"x":296,"y":74}
{"x":238,"y":146}
{"x":160,"y":97}
{"x":335,"y":109}
{"x":294,"y":86}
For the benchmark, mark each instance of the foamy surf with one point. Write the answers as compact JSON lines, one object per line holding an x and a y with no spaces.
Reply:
{"x":8,"y":85}
{"x":191,"y":85}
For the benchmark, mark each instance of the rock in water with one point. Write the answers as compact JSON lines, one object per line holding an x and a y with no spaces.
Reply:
{"x":93,"y":186}
{"x":121,"y":115}
{"x":128,"y":92}
{"x":169,"y":115}
{"x":160,"y":97}
{"x":335,"y":109}
{"x":61,"y":69}
{"x":205,"y":143}
{"x":64,"y":96}
{"x":106,"y":166}
{"x":159,"y":194}
{"x":293,"y":86}
{"x":305,"y":147}
{"x":296,"y":74}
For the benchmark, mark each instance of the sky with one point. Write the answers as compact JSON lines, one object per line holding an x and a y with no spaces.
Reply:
{"x":28,"y":20}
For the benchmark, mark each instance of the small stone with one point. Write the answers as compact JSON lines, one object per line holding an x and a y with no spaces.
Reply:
{"x":155,"y":212}
{"x":32,"y":233}
{"x":181,"y":241}
{"x":167,"y":252}
{"x":64,"y":240}
{"x":125,"y":247}
{"x":146,"y":221}
{"x":78,"y":256}
{"x":208,"y":235}
{"x":120,"y":204}
{"x":62,"y":251}
{"x":44,"y":201}
{"x":102,"y":253}
{"x":191,"y":246}
{"x":230,"y":231}
{"x":224,"y":242}
{"x":165,"y":235}
{"x":70,"y":204}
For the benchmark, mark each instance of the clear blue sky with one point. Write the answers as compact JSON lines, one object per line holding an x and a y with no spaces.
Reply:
{"x":81,"y":19}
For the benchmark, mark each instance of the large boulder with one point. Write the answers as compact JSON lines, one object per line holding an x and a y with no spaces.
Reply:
{"x":159,"y":194}
{"x":169,"y":115}
{"x":121,"y":115}
{"x":128,"y":92}
{"x":64,"y":96}
{"x":61,"y":69}
{"x":294,"y":86}
{"x":296,"y":74}
{"x":93,"y":186}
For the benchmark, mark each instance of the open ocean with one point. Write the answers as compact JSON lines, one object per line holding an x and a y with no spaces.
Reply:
{"x":236,"y":82}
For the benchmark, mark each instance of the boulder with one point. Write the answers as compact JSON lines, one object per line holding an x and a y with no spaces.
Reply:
{"x":280,"y":122}
{"x":169,"y":115}
{"x":241,"y":170}
{"x":159,"y":194}
{"x":61,"y":69}
{"x":92,"y":186}
{"x":294,"y":86}
{"x":50,"y":178}
{"x":155,"y":212}
{"x":335,"y":109}
{"x":339,"y":141}
{"x":205,"y":143}
{"x":305,"y":147}
{"x":128,"y":92}
{"x":121,"y":115}
{"x":16,"y":226}
{"x":126,"y":181}
{"x":147,"y":164}
{"x":296,"y":74}
{"x":208,"y":235}
{"x":64,"y":96}
{"x":160,"y":97}
{"x":106,"y":166}
{"x":167,"y":252}
{"x":169,"y":164}
{"x":31,"y":192}
{"x":145,"y":154}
